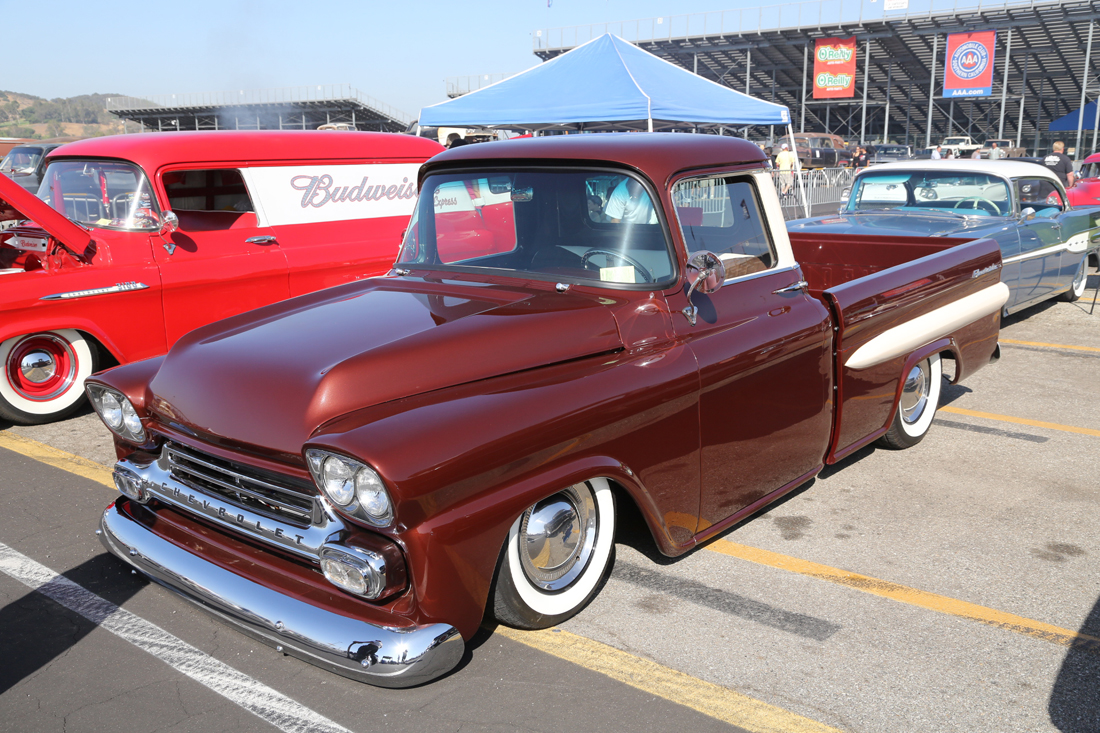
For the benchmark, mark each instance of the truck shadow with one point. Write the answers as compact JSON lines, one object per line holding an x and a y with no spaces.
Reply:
{"x":37,"y":630}
{"x":1074,"y":705}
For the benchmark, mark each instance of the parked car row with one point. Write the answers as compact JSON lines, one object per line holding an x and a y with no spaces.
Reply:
{"x":357,"y":470}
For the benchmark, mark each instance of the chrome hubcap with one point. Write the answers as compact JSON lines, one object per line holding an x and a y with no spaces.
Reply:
{"x":557,"y":536}
{"x":914,"y":395}
{"x":38,"y":367}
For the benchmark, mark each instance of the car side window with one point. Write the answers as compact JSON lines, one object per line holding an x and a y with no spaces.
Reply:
{"x":723,"y":216}
{"x":1041,"y":195}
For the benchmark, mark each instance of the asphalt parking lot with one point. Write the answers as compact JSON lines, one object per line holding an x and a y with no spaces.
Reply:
{"x":949,"y":587}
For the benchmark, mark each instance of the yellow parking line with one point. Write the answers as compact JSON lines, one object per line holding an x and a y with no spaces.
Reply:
{"x":1049,"y":346}
{"x":911,"y":596}
{"x":1021,"y":421}
{"x":712,"y":700}
{"x":57,"y":458}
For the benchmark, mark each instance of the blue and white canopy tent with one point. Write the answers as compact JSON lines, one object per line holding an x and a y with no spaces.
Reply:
{"x":605,"y":84}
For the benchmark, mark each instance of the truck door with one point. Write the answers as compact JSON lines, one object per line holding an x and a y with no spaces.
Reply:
{"x":763,"y":348}
{"x":219,"y":262}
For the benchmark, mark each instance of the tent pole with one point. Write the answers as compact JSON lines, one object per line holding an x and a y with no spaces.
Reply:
{"x":798,"y":172}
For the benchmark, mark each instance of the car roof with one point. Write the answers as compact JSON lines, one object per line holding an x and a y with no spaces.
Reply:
{"x":152,"y":150}
{"x":1006,"y":168}
{"x":659,"y":154}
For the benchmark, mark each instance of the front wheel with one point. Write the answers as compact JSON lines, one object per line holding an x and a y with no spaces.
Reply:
{"x":44,"y":375}
{"x":556,"y":557}
{"x":1077,"y":289}
{"x":920,"y":397}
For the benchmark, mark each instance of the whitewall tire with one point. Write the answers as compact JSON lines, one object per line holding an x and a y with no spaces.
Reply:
{"x":920,"y":397}
{"x":43,"y":375}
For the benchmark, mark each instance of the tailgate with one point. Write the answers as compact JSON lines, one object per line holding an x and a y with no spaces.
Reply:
{"x":947,"y":301}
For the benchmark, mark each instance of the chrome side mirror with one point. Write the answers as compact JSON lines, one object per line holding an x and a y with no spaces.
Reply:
{"x":1027,"y":214}
{"x":169,"y":222}
{"x":710,"y":275}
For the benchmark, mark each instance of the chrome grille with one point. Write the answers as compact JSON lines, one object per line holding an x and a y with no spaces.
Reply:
{"x":278,"y":497}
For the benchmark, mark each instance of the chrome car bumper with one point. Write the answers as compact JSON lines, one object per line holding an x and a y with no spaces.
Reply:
{"x":385,"y":657}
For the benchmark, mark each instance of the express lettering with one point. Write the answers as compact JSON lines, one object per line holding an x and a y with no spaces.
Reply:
{"x":318,"y":191}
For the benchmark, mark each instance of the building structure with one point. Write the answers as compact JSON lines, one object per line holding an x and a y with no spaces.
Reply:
{"x":286,"y":108}
{"x":1046,"y":63}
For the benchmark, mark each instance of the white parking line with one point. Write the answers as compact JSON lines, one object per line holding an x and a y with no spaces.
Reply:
{"x":255,"y":697}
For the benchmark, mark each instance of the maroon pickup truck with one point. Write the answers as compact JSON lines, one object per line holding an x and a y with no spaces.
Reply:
{"x":358,"y":476}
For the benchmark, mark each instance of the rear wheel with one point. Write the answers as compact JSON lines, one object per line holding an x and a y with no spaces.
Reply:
{"x":44,"y":375}
{"x":1077,"y":289}
{"x":557,"y":556}
{"x":920,"y":396}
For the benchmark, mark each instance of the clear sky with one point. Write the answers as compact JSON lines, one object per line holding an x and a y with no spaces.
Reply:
{"x":398,"y":51}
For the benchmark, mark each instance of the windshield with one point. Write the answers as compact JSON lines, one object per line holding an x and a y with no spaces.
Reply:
{"x":891,"y":150}
{"x":575,"y":225}
{"x":23,"y":159}
{"x":956,"y":141}
{"x":101,"y":193}
{"x":973,"y":194}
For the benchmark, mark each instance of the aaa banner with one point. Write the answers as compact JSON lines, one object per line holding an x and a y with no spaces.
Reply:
{"x":834,"y":68}
{"x":968,"y":68}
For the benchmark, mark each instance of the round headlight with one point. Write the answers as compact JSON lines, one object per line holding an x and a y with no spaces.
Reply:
{"x":338,"y":480}
{"x":111,"y":410}
{"x":372,"y":494}
{"x":131,"y":420}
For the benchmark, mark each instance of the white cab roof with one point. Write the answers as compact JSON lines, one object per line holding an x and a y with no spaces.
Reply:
{"x":1006,"y":168}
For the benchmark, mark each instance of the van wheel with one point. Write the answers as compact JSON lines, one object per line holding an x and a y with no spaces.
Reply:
{"x":920,"y":396}
{"x":556,"y":557}
{"x":1077,"y":289}
{"x":44,"y":375}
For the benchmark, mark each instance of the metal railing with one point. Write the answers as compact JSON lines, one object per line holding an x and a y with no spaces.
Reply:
{"x":787,"y":16}
{"x":823,"y":189}
{"x":459,"y":85}
{"x":319,"y":93}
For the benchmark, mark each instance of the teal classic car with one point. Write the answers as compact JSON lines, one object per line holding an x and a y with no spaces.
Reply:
{"x":1045,"y":241}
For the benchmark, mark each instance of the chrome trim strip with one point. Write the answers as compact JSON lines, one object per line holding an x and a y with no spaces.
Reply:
{"x":377,"y":655}
{"x":116,"y":288}
{"x":304,"y":541}
{"x":1055,"y":249}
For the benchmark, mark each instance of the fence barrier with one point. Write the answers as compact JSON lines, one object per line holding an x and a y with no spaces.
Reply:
{"x":823,"y":189}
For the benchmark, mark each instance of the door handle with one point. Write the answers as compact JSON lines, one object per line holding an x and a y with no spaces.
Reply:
{"x":800,"y":285}
{"x":262,"y":239}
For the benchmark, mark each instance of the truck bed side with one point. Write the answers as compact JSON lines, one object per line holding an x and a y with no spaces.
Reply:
{"x":895,"y":302}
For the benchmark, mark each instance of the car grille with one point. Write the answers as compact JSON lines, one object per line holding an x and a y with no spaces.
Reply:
{"x":277,"y":497}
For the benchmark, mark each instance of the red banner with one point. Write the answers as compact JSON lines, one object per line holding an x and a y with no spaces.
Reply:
{"x":968,"y":68}
{"x":834,"y":68}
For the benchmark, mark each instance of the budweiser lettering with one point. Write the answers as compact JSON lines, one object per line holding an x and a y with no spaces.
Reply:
{"x":318,"y":191}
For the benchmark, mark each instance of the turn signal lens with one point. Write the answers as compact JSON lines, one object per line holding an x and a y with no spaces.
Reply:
{"x":357,"y":571}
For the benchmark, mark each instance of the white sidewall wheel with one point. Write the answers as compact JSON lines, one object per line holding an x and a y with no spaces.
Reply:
{"x":905,"y":433}
{"x":19,"y":408}
{"x":1080,"y":280}
{"x":519,"y":602}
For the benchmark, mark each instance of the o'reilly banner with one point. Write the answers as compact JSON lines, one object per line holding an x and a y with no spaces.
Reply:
{"x":968,"y":68}
{"x":834,"y":68}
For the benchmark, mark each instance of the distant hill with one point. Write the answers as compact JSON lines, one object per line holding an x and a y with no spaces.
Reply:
{"x":25,"y":115}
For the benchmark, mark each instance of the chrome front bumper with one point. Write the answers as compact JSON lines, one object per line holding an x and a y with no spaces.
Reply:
{"x":385,"y":657}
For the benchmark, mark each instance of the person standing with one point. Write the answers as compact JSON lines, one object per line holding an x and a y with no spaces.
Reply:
{"x":936,"y":155}
{"x":786,"y":162}
{"x":1060,"y":164}
{"x":977,"y":154}
{"x":861,"y":157}
{"x":996,"y":153}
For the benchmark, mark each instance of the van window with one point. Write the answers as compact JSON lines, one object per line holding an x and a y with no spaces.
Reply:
{"x":207,"y":190}
{"x":722,"y":215}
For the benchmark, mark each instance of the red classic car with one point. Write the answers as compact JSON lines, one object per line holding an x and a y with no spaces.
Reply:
{"x":137,"y":239}
{"x":574,"y":324}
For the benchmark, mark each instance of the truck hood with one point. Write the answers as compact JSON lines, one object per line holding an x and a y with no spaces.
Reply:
{"x":17,"y":203}
{"x":906,"y":224}
{"x":272,"y":377}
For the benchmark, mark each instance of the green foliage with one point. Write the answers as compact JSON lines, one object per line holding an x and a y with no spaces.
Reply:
{"x":19,"y":131}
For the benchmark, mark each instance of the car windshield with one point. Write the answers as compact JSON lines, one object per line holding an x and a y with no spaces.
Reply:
{"x":956,"y":141}
{"x":101,"y":193}
{"x":22,"y":159}
{"x":891,"y":150}
{"x":566,"y":225}
{"x":959,"y":192}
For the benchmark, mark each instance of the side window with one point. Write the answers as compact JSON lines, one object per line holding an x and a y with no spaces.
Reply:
{"x":1041,"y":195}
{"x":723,"y":215}
{"x":825,"y":143}
{"x":220,"y":189}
